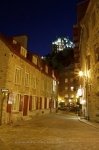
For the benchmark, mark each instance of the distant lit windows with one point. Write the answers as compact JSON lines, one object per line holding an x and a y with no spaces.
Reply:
{"x":54,"y":85}
{"x":66,"y":80}
{"x":72,"y":96}
{"x":62,"y":43}
{"x":72,"y":88}
{"x":66,"y":96}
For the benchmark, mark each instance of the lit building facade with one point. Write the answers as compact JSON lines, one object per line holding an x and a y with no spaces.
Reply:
{"x":61,"y":43}
{"x":89,"y":47}
{"x":67,"y":86}
{"x":27,"y":85}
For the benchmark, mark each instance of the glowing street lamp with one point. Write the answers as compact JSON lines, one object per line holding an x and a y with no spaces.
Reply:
{"x":81,"y":74}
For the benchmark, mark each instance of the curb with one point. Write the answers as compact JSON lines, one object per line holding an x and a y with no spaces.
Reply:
{"x":88,"y":123}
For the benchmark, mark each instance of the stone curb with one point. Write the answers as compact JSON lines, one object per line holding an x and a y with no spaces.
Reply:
{"x":88,"y":123}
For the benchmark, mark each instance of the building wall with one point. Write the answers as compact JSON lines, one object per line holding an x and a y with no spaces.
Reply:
{"x":67,"y":86}
{"x":89,"y":46}
{"x":30,"y":90}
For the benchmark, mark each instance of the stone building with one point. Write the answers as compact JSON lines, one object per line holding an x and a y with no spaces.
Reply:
{"x":81,"y":10}
{"x":27,"y":85}
{"x":67,"y":86}
{"x":89,"y":50}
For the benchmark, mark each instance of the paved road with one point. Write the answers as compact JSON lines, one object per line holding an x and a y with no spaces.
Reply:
{"x":50,"y":132}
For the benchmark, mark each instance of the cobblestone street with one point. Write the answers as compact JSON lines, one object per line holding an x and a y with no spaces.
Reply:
{"x":50,"y":132}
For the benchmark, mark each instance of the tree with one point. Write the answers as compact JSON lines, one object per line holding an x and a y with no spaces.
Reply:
{"x":61,"y":59}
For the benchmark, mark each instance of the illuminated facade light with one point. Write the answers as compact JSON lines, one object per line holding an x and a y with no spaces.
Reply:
{"x":81,"y":74}
{"x":63,"y":43}
{"x":79,"y":92}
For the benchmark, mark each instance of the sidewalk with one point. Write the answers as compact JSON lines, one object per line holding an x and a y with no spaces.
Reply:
{"x":88,"y":122}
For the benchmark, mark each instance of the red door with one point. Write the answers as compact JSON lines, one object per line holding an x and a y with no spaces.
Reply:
{"x":45,"y":103}
{"x":25,"y":106}
{"x":40,"y":102}
{"x":30,"y":103}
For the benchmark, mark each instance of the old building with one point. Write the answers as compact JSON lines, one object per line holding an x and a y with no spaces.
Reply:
{"x":89,"y":48}
{"x":81,"y":10}
{"x":67,"y":86}
{"x":27,"y":85}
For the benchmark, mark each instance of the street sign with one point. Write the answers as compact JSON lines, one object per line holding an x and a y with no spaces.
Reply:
{"x":4,"y":90}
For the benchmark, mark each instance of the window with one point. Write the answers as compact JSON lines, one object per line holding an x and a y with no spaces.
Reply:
{"x":72,"y":88}
{"x":18,"y":76}
{"x":66,"y":80}
{"x":16,"y":103}
{"x":72,"y":96}
{"x":33,"y":82}
{"x":33,"y":102}
{"x":66,"y":96}
{"x":54,"y":85}
{"x":23,"y":52}
{"x":27,"y":79}
{"x":34,"y":60}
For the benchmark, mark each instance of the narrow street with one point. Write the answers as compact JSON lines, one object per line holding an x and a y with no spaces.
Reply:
{"x":59,"y":131}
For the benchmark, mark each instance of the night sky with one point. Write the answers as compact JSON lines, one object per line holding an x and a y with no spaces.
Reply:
{"x":42,"y":20}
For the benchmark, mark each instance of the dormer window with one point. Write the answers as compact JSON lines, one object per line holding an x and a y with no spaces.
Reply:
{"x":23,"y":52}
{"x":34,"y":60}
{"x":14,"y":42}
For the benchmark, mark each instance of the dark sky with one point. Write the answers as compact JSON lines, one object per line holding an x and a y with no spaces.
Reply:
{"x":41,"y":20}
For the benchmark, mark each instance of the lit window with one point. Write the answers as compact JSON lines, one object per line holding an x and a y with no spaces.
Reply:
{"x":34,"y":60}
{"x":16,"y":102}
{"x":66,"y":96}
{"x":27,"y":79}
{"x":54,"y":85}
{"x":66,"y":80}
{"x":23,"y":52}
{"x":18,"y":76}
{"x":72,"y":88}
{"x":72,"y":96}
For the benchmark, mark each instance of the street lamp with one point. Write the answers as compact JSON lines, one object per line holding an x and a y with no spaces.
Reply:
{"x":81,"y":74}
